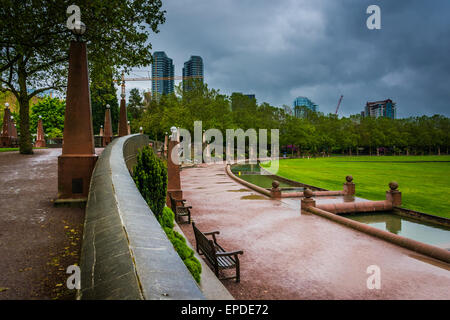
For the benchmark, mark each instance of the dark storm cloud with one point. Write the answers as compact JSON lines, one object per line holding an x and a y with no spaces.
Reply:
{"x":319,"y":49}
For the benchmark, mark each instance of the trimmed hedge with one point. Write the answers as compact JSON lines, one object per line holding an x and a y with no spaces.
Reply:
{"x":179,"y":243}
{"x":150,"y":176}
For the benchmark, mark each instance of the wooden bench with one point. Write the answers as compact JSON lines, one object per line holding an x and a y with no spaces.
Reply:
{"x":180,"y":210}
{"x":215,"y":254}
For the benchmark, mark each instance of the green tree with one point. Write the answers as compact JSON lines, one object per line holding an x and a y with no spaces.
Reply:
{"x":52,"y":112}
{"x":135,"y":104}
{"x":34,"y":44}
{"x":101,"y":95}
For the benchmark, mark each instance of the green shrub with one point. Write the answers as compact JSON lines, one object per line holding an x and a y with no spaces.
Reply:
{"x":167,"y":218}
{"x":179,"y":243}
{"x":150,"y":176}
{"x":194,"y":267}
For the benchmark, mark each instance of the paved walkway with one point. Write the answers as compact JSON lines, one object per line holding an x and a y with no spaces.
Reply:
{"x":37,"y":241}
{"x":293,"y":256}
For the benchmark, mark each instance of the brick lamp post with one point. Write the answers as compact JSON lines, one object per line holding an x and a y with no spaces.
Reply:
{"x":107,"y":131}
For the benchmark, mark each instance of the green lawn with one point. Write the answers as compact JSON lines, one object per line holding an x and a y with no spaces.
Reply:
{"x":425,"y":184}
{"x":15,"y":149}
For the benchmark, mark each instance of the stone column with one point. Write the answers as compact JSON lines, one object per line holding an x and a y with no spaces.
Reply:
{"x":128,"y":127}
{"x":107,"y":132}
{"x":13,"y":128}
{"x":166,"y":138}
{"x":141,"y":130}
{"x":173,"y":171}
{"x":5,"y":139}
{"x":349,"y":186}
{"x":101,"y":131}
{"x":394,"y":195}
{"x":123,"y":121}
{"x":40,"y":138}
{"x":307,"y":201}
{"x":78,"y":158}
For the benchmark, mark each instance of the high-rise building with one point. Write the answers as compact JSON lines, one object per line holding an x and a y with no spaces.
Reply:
{"x":163,"y":73}
{"x":193,"y":70}
{"x":300,"y":102}
{"x":386,"y":108}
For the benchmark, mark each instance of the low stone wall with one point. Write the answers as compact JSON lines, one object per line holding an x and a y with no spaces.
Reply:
{"x":125,"y":253}
{"x":424,"y":217}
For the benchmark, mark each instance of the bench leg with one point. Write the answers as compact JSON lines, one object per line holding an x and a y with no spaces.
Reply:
{"x":238,"y":272}
{"x":216,"y":271}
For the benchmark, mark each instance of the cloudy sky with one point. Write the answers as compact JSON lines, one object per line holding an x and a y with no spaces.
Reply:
{"x":321,"y":49}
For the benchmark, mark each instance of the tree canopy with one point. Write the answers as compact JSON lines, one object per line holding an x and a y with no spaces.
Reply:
{"x":314,"y":134}
{"x":34,"y":41}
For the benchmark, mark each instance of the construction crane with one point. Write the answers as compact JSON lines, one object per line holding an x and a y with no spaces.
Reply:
{"x":339,"y":103}
{"x":154,"y":79}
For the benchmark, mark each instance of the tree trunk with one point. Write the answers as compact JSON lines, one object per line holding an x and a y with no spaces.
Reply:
{"x":439,"y":150}
{"x":378,"y":151}
{"x":25,"y":145}
{"x":350,"y":151}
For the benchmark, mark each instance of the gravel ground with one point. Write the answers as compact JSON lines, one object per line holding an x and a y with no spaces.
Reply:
{"x":37,"y":241}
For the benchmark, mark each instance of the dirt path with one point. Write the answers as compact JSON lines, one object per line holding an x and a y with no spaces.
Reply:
{"x":293,"y":256}
{"x":37,"y":241}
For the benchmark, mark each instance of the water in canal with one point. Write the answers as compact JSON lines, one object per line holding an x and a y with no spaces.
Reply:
{"x":410,"y":228}
{"x":252,"y":173}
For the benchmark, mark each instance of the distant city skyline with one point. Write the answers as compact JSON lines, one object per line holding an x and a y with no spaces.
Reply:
{"x":321,"y":49}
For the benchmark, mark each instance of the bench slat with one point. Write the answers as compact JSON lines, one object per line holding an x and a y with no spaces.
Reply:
{"x":209,"y":249}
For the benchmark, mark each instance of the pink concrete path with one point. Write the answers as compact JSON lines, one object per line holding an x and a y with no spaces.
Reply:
{"x":293,"y":256}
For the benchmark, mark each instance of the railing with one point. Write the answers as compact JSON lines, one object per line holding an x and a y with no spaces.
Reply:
{"x":125,"y":253}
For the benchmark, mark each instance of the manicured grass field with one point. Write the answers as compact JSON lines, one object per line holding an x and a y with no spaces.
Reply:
{"x":423,"y":180}
{"x":14,"y":149}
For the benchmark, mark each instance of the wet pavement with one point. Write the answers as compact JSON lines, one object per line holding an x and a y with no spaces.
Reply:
{"x":37,"y":241}
{"x":292,"y":256}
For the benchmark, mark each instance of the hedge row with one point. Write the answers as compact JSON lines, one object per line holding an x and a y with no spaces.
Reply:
{"x":150,"y":176}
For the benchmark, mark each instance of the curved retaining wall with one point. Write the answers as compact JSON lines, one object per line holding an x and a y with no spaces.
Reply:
{"x":245,"y":183}
{"x":125,"y":253}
